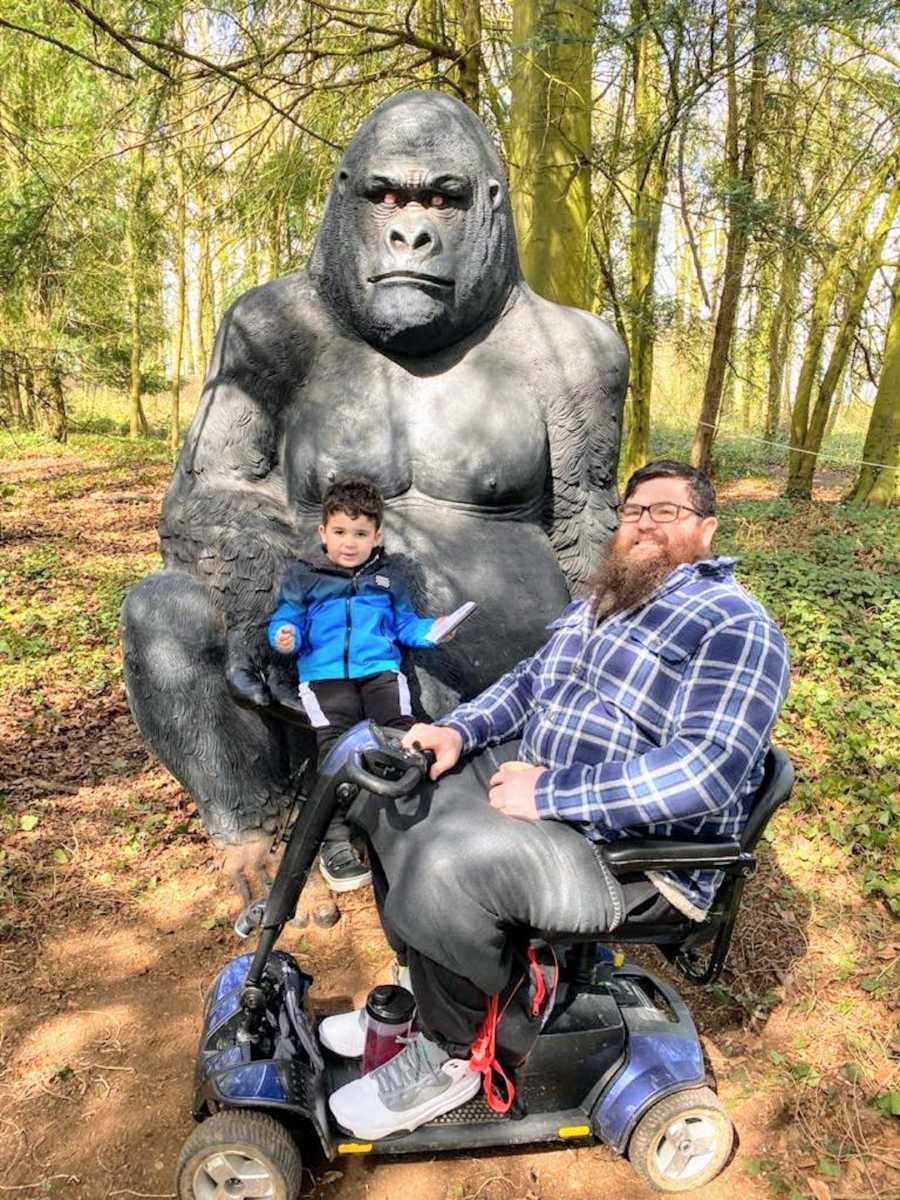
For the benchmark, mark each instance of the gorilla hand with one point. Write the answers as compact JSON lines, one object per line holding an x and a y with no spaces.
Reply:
{"x":245,"y":673}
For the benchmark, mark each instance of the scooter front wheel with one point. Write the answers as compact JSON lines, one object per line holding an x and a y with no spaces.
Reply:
{"x":236,"y":1155}
{"x":683,"y":1141}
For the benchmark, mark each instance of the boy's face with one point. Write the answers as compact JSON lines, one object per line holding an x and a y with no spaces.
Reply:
{"x":349,"y":541}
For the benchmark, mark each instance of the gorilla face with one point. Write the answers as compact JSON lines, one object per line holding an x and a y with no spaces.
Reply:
{"x":416,"y":248}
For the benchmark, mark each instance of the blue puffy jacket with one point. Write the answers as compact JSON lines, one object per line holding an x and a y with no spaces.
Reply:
{"x":348,"y":624}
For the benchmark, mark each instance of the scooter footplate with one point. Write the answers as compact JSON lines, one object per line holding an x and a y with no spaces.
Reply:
{"x":473,"y":1111}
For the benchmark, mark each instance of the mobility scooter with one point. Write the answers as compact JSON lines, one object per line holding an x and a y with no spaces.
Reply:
{"x":618,"y":1060}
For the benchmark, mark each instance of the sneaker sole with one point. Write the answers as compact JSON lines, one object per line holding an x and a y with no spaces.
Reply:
{"x":344,"y":885}
{"x":437,"y":1108}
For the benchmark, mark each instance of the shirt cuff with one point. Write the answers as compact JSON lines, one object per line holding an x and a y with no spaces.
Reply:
{"x":567,"y":794}
{"x":469,"y":738}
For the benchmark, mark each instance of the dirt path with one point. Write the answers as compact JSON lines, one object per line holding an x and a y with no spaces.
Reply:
{"x":114,"y":920}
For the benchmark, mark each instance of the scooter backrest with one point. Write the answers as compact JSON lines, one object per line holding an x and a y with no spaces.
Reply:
{"x":774,"y":790}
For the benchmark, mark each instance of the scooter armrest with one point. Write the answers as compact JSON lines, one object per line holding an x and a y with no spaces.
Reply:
{"x":663,"y":854}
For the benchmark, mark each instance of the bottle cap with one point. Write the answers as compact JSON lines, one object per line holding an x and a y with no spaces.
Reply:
{"x":390,"y":1003}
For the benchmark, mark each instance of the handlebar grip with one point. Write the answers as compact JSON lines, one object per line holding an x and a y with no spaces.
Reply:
{"x":392,"y":789}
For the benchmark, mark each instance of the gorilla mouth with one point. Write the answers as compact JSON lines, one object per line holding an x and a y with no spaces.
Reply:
{"x":412,"y":277}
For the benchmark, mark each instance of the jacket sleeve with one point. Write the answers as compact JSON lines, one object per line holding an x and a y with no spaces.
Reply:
{"x":291,"y":610}
{"x":412,"y":630}
{"x":727,"y":704}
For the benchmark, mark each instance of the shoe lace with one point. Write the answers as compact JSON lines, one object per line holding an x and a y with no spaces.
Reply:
{"x":407,"y":1068}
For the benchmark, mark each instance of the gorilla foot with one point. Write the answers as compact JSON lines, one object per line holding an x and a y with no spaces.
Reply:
{"x":246,"y":864}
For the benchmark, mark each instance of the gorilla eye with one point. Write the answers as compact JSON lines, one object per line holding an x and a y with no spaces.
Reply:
{"x":437,"y":200}
{"x":389,"y":199}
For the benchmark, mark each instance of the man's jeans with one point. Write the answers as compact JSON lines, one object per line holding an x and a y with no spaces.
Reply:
{"x":456,"y":882}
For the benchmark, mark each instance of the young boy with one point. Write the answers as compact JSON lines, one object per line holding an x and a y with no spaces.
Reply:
{"x":344,"y":617}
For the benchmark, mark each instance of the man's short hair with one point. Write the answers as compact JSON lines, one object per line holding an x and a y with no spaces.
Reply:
{"x":700,"y":488}
{"x":355,"y":496}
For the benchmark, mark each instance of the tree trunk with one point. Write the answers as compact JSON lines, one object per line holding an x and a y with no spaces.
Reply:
{"x":880,"y":484}
{"x":57,"y":418}
{"x":136,"y":268}
{"x":799,"y":477}
{"x":468,"y":66}
{"x":651,"y":158}
{"x":180,"y":298}
{"x":29,"y":411}
{"x":780,"y":340}
{"x":550,"y":145}
{"x":739,"y":222}
{"x":204,"y":292}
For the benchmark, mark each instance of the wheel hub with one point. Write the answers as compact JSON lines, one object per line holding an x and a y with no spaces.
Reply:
{"x":230,"y":1174}
{"x":686,"y":1147}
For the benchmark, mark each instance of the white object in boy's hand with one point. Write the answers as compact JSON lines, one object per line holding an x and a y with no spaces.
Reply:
{"x":444,"y":627}
{"x":284,"y":639}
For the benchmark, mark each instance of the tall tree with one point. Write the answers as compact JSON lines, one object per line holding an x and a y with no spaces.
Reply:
{"x":802,"y":466}
{"x":846,"y":243}
{"x":651,"y":148}
{"x":878,"y":481}
{"x":740,"y":220}
{"x":550,"y":145}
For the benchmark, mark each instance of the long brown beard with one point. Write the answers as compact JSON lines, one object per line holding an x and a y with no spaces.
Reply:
{"x":618,"y":583}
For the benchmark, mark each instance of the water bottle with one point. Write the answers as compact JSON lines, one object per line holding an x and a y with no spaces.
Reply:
{"x":389,"y":1016}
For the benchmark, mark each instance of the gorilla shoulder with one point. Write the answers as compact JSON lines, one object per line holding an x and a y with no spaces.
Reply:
{"x":274,"y":328}
{"x":573,"y":337}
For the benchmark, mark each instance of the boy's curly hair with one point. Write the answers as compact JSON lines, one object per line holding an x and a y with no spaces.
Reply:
{"x":356,"y":496}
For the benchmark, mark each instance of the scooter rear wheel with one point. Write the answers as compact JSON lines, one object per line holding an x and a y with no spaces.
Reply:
{"x":683,"y":1141}
{"x":238,"y":1154}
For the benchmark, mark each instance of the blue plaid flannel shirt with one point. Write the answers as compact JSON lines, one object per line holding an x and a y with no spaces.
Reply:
{"x":654,"y":722}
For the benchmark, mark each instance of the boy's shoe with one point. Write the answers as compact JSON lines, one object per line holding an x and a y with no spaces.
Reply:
{"x":422,"y":1082}
{"x":344,"y":1034}
{"x":342,"y":867}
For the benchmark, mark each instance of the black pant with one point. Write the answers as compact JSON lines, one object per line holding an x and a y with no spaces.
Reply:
{"x":459,"y":884}
{"x":336,"y":705}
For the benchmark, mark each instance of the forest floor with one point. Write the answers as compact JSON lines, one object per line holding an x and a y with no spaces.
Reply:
{"x":115,"y":919}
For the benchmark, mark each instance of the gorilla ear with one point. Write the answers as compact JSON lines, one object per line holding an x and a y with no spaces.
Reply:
{"x":343,"y":176}
{"x":495,"y":191}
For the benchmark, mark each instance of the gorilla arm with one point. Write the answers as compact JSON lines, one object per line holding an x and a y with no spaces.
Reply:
{"x":584,"y":427}
{"x":225,"y":518}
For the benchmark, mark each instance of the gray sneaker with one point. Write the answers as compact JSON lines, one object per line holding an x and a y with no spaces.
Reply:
{"x":422,"y":1082}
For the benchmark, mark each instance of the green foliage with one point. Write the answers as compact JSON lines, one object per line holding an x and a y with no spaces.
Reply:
{"x":831,"y":577}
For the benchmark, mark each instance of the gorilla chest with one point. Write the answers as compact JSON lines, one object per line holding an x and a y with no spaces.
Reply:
{"x":472,"y":434}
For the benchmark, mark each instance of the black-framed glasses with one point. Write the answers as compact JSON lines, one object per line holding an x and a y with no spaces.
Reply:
{"x":663,"y":512}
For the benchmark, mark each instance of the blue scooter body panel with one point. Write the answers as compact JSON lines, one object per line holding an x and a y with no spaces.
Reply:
{"x":290,"y":1078}
{"x":663,"y":1055}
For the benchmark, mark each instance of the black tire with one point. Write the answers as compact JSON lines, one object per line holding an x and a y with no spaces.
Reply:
{"x":682,"y":1142}
{"x":246,"y":1143}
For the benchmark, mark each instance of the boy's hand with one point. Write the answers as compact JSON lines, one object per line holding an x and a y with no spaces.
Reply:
{"x":285,"y":639}
{"x":444,"y":743}
{"x":448,"y":637}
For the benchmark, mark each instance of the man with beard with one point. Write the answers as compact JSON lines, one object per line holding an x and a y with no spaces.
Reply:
{"x":646,"y":713}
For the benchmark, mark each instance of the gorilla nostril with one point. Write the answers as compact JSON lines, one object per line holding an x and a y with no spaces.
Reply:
{"x":422,"y":238}
{"x":396,"y":237}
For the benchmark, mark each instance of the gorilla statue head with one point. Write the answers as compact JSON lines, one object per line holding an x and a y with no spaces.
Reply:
{"x":416,"y":247}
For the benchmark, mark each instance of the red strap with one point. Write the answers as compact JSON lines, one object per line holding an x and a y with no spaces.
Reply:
{"x":484,"y":1059}
{"x":540,"y":988}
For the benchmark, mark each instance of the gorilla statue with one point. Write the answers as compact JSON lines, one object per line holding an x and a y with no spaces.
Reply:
{"x":412,"y":352}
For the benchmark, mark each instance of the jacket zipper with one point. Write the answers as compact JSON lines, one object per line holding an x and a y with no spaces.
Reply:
{"x":348,"y":625}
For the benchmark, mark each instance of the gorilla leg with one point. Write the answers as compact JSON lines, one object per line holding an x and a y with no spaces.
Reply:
{"x":235,"y":762}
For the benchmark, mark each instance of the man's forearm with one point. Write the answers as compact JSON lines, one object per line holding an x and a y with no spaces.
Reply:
{"x":684,"y":779}
{"x":498,"y":713}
